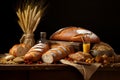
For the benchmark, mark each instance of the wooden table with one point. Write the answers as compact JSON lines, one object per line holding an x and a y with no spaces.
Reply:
{"x":53,"y":72}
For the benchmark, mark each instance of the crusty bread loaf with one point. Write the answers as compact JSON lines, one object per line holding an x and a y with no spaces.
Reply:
{"x":35,"y":53}
{"x":18,"y":50}
{"x":55,"y":54}
{"x":79,"y":56}
{"x":76,"y":45}
{"x":77,"y":34}
{"x":102,"y":48}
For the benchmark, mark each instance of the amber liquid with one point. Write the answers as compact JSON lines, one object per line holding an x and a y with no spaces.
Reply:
{"x":86,"y":47}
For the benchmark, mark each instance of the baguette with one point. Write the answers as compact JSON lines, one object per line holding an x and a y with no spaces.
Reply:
{"x":55,"y":54}
{"x":35,"y":53}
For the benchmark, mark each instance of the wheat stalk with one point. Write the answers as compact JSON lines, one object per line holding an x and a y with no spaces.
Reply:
{"x":30,"y":16}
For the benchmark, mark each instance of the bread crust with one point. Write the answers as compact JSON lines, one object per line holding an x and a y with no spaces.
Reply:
{"x":76,"y":34}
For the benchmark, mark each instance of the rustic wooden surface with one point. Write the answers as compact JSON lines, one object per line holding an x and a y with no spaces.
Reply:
{"x":54,"y":71}
{"x":112,"y":67}
{"x":33,"y":66}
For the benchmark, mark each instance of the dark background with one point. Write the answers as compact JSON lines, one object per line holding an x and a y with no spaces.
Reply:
{"x":100,"y":16}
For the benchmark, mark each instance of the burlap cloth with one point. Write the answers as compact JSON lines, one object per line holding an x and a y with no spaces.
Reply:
{"x":86,"y":70}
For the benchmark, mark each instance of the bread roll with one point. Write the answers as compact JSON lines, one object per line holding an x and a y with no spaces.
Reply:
{"x":75,"y":34}
{"x":55,"y":54}
{"x":35,"y":53}
{"x":102,"y":48}
{"x":18,"y":50}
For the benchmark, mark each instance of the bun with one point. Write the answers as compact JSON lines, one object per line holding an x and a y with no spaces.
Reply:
{"x":75,"y":34}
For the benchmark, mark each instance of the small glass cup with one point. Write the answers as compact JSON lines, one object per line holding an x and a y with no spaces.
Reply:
{"x":86,"y":47}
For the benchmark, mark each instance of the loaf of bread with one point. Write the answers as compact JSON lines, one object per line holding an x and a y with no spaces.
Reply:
{"x":35,"y":53}
{"x":56,"y":53}
{"x":77,"y":34}
{"x":18,"y":50}
{"x":102,"y":48}
{"x":79,"y":56}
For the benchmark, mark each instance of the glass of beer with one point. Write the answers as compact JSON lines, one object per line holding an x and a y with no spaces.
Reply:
{"x":86,"y":47}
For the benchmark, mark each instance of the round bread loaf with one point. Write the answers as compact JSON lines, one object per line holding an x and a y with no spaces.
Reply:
{"x":76,"y":34}
{"x":18,"y":50}
{"x":102,"y":48}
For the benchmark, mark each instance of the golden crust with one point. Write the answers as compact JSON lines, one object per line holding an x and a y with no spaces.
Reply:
{"x":75,"y":34}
